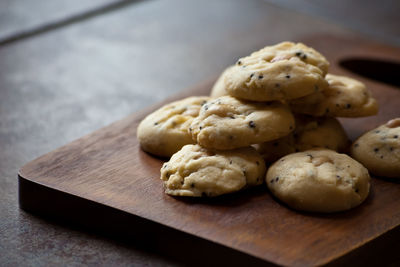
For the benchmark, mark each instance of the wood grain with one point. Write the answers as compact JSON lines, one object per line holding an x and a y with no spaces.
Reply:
{"x":108,"y":168}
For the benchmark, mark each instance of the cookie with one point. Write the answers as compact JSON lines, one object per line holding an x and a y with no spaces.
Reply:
{"x":165,"y":131}
{"x":345,"y":97}
{"x":379,"y":149}
{"x":310,"y":132}
{"x":228,"y":123}
{"x":218,"y":88}
{"x":319,"y":181}
{"x":195,"y":171}
{"x":281,"y":72}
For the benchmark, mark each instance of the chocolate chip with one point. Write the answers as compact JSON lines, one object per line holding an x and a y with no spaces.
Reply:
{"x":190,"y":129}
{"x":230,"y":162}
{"x":381,"y":156}
{"x":192,"y":185}
{"x":260,"y":77}
{"x":165,"y":166}
{"x":391,"y":148}
{"x":377,"y":131}
{"x":230,"y":137}
{"x":376,"y":149}
{"x":356,"y":190}
{"x":275,"y":144}
{"x":348,"y":106}
{"x":287,"y":76}
{"x":291,"y":127}
{"x":252,"y":124}
{"x":200,"y":127}
{"x":277,"y":179}
{"x":251,"y":75}
{"x":239,"y":62}
{"x":395,"y":136}
{"x":205,"y":107}
{"x":257,"y":162}
{"x":156,"y":123}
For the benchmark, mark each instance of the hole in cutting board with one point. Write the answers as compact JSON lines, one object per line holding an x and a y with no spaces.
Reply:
{"x":381,"y":70}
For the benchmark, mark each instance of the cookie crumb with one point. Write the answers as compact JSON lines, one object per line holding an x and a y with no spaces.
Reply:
{"x":252,"y":124}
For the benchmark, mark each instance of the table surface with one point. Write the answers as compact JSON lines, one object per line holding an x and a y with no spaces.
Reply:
{"x":69,"y":68}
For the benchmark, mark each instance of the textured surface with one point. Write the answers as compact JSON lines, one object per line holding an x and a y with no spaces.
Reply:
{"x":166,"y":130}
{"x":375,"y":19}
{"x":320,"y":181}
{"x":379,"y":149}
{"x":58,"y":86}
{"x":21,"y":16}
{"x":199,"y":172}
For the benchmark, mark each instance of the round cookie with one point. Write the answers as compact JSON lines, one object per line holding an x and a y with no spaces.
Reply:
{"x":323,"y":132}
{"x":310,"y":132}
{"x":379,"y":149}
{"x":345,"y":97}
{"x":319,"y":181}
{"x":219,"y":87}
{"x":196,"y":171}
{"x":165,"y":131}
{"x":281,"y":72}
{"x":228,"y":123}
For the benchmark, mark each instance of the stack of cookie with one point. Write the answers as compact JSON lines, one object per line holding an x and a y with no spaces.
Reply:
{"x":275,"y":102}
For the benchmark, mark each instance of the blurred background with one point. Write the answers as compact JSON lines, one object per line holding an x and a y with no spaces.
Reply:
{"x":68,"y":68}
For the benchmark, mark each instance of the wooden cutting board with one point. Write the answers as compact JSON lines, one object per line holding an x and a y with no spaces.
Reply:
{"x":105,"y":182}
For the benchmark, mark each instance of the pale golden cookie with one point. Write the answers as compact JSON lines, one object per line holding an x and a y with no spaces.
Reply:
{"x":218,"y":88}
{"x":196,"y":171}
{"x":165,"y":131}
{"x":227,"y":123}
{"x":345,"y":97}
{"x":319,"y":180}
{"x":379,"y":149}
{"x":310,"y":132}
{"x":281,"y":72}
